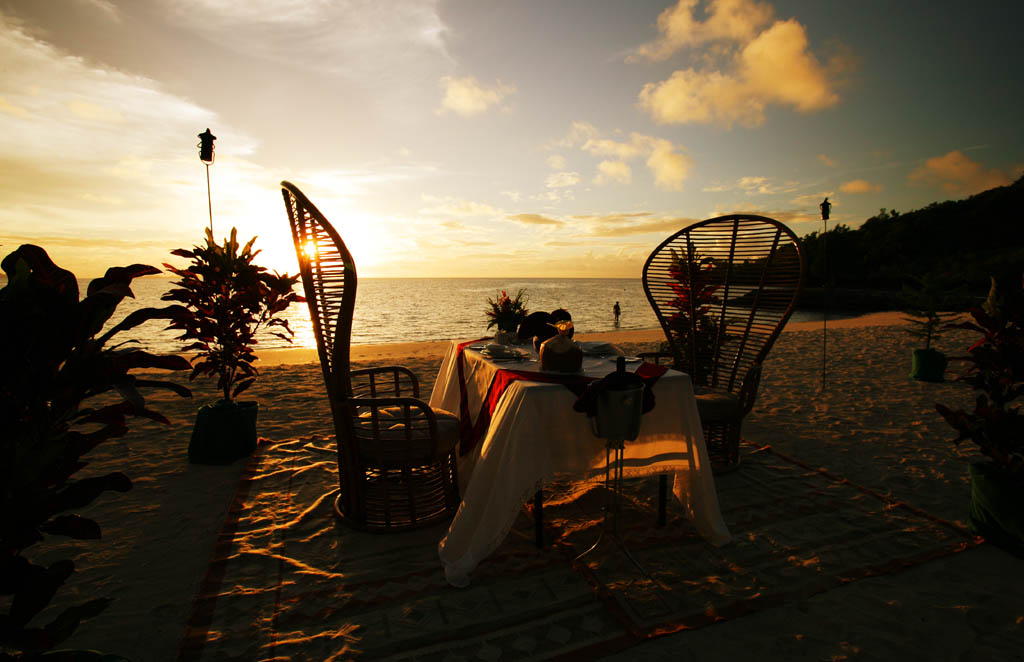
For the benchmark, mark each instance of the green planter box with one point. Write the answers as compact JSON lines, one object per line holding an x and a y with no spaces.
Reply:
{"x":224,"y":432}
{"x":927,"y":365}
{"x":997,"y":506}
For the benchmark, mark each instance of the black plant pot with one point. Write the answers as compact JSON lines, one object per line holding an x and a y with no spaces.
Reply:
{"x":927,"y":365}
{"x":996,"y":498}
{"x":224,"y":432}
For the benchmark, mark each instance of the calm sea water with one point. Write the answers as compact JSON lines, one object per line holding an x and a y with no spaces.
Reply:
{"x":390,"y":310}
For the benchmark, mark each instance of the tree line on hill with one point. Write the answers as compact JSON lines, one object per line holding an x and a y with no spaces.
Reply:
{"x":960,"y":244}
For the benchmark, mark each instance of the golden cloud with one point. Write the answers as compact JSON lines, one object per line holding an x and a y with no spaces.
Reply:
{"x":556,"y":162}
{"x":669,"y":167}
{"x":467,"y":97}
{"x":956,"y":173}
{"x":732,"y":20}
{"x":535,"y":219}
{"x":773,"y":68}
{"x":563,"y":179}
{"x":859,"y":186}
{"x":613,"y":171}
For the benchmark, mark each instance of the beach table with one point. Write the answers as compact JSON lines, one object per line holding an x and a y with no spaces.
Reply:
{"x":519,"y":430}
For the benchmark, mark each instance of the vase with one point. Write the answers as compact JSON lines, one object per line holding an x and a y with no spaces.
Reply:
{"x":996,"y":514}
{"x":223,"y":432}
{"x":927,"y":365}
{"x":503,"y":337}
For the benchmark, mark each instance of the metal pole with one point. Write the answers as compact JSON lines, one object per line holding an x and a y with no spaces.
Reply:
{"x":209,"y":200}
{"x":824,"y":306}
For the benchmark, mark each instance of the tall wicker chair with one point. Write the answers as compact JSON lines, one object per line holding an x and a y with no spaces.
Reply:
{"x":396,"y":455}
{"x":722,"y":290}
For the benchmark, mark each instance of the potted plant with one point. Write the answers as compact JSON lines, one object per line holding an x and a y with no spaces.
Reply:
{"x":228,"y":299}
{"x":924,"y":296}
{"x":507,"y":313}
{"x":996,"y":425}
{"x":65,"y":388}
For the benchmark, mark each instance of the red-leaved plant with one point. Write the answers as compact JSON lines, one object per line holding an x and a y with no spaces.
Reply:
{"x":996,"y":371}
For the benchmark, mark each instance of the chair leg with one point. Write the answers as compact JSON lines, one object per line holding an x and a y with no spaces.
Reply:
{"x":662,"y":498}
{"x":538,"y":518}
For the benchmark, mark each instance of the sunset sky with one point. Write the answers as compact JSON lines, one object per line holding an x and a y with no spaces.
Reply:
{"x":486,"y":138}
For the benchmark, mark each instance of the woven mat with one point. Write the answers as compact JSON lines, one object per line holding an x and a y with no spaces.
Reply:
{"x":287,"y":583}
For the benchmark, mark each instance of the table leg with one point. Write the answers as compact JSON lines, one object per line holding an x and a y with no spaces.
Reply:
{"x":538,"y":518}
{"x":662,"y":498}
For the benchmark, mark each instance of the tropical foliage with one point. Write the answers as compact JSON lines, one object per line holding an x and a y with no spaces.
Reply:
{"x":996,"y":371}
{"x":65,"y":388}
{"x":229,"y":299}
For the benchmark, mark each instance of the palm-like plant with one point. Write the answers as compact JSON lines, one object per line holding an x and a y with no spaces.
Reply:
{"x":229,"y":300}
{"x":59,"y":373}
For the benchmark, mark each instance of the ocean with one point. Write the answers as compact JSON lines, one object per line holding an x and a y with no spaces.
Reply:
{"x":391,"y":310}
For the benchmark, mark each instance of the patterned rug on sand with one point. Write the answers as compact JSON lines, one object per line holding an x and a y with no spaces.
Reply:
{"x":286,"y":582}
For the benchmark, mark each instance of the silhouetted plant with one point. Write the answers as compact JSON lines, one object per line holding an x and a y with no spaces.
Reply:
{"x":996,"y":371}
{"x":228,"y":300}
{"x":54,"y":363}
{"x":925,"y":296}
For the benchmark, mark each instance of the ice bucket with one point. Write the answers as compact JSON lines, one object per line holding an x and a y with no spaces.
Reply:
{"x":618,"y":413}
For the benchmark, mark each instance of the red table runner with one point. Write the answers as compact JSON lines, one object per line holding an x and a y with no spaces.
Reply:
{"x":470,"y":433}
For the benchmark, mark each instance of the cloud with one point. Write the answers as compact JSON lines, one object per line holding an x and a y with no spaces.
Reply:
{"x":956,"y":173}
{"x":556,"y":162}
{"x":534,"y":219}
{"x":562,"y":179}
{"x":11,"y":109}
{"x":358,"y":39}
{"x":613,"y":171}
{"x":827,"y":161}
{"x":105,"y":7}
{"x":773,"y":68}
{"x":663,"y":226}
{"x":727,"y":20}
{"x":669,"y":167}
{"x":467,"y":97}
{"x":449,"y":206}
{"x":859,"y":186}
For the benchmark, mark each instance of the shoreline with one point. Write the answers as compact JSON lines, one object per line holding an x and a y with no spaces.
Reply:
{"x":436,"y":348}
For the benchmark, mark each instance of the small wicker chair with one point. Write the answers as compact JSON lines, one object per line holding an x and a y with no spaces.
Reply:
{"x":396,"y":455}
{"x":722,"y":290}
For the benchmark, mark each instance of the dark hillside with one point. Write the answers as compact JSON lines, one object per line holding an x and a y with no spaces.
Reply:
{"x":962,"y":242}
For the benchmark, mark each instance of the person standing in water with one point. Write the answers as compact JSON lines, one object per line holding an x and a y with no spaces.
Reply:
{"x":616,"y":310}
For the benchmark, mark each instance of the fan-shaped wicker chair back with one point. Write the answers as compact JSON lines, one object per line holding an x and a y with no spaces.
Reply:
{"x":395,"y":471}
{"x":722,"y":290}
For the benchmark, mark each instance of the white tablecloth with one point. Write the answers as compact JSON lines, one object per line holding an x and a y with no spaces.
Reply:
{"x":535,"y":434}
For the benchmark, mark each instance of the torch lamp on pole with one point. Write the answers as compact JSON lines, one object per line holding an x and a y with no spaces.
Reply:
{"x":826,"y":208}
{"x":206,"y":156}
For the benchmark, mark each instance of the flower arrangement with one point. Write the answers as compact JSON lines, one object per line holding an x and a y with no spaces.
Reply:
{"x":506,"y":312}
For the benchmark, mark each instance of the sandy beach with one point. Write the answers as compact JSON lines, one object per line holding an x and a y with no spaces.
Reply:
{"x":165,"y":542}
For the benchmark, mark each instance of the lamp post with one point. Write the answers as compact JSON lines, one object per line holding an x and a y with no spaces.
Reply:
{"x":826,"y":209}
{"x":206,"y":156}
